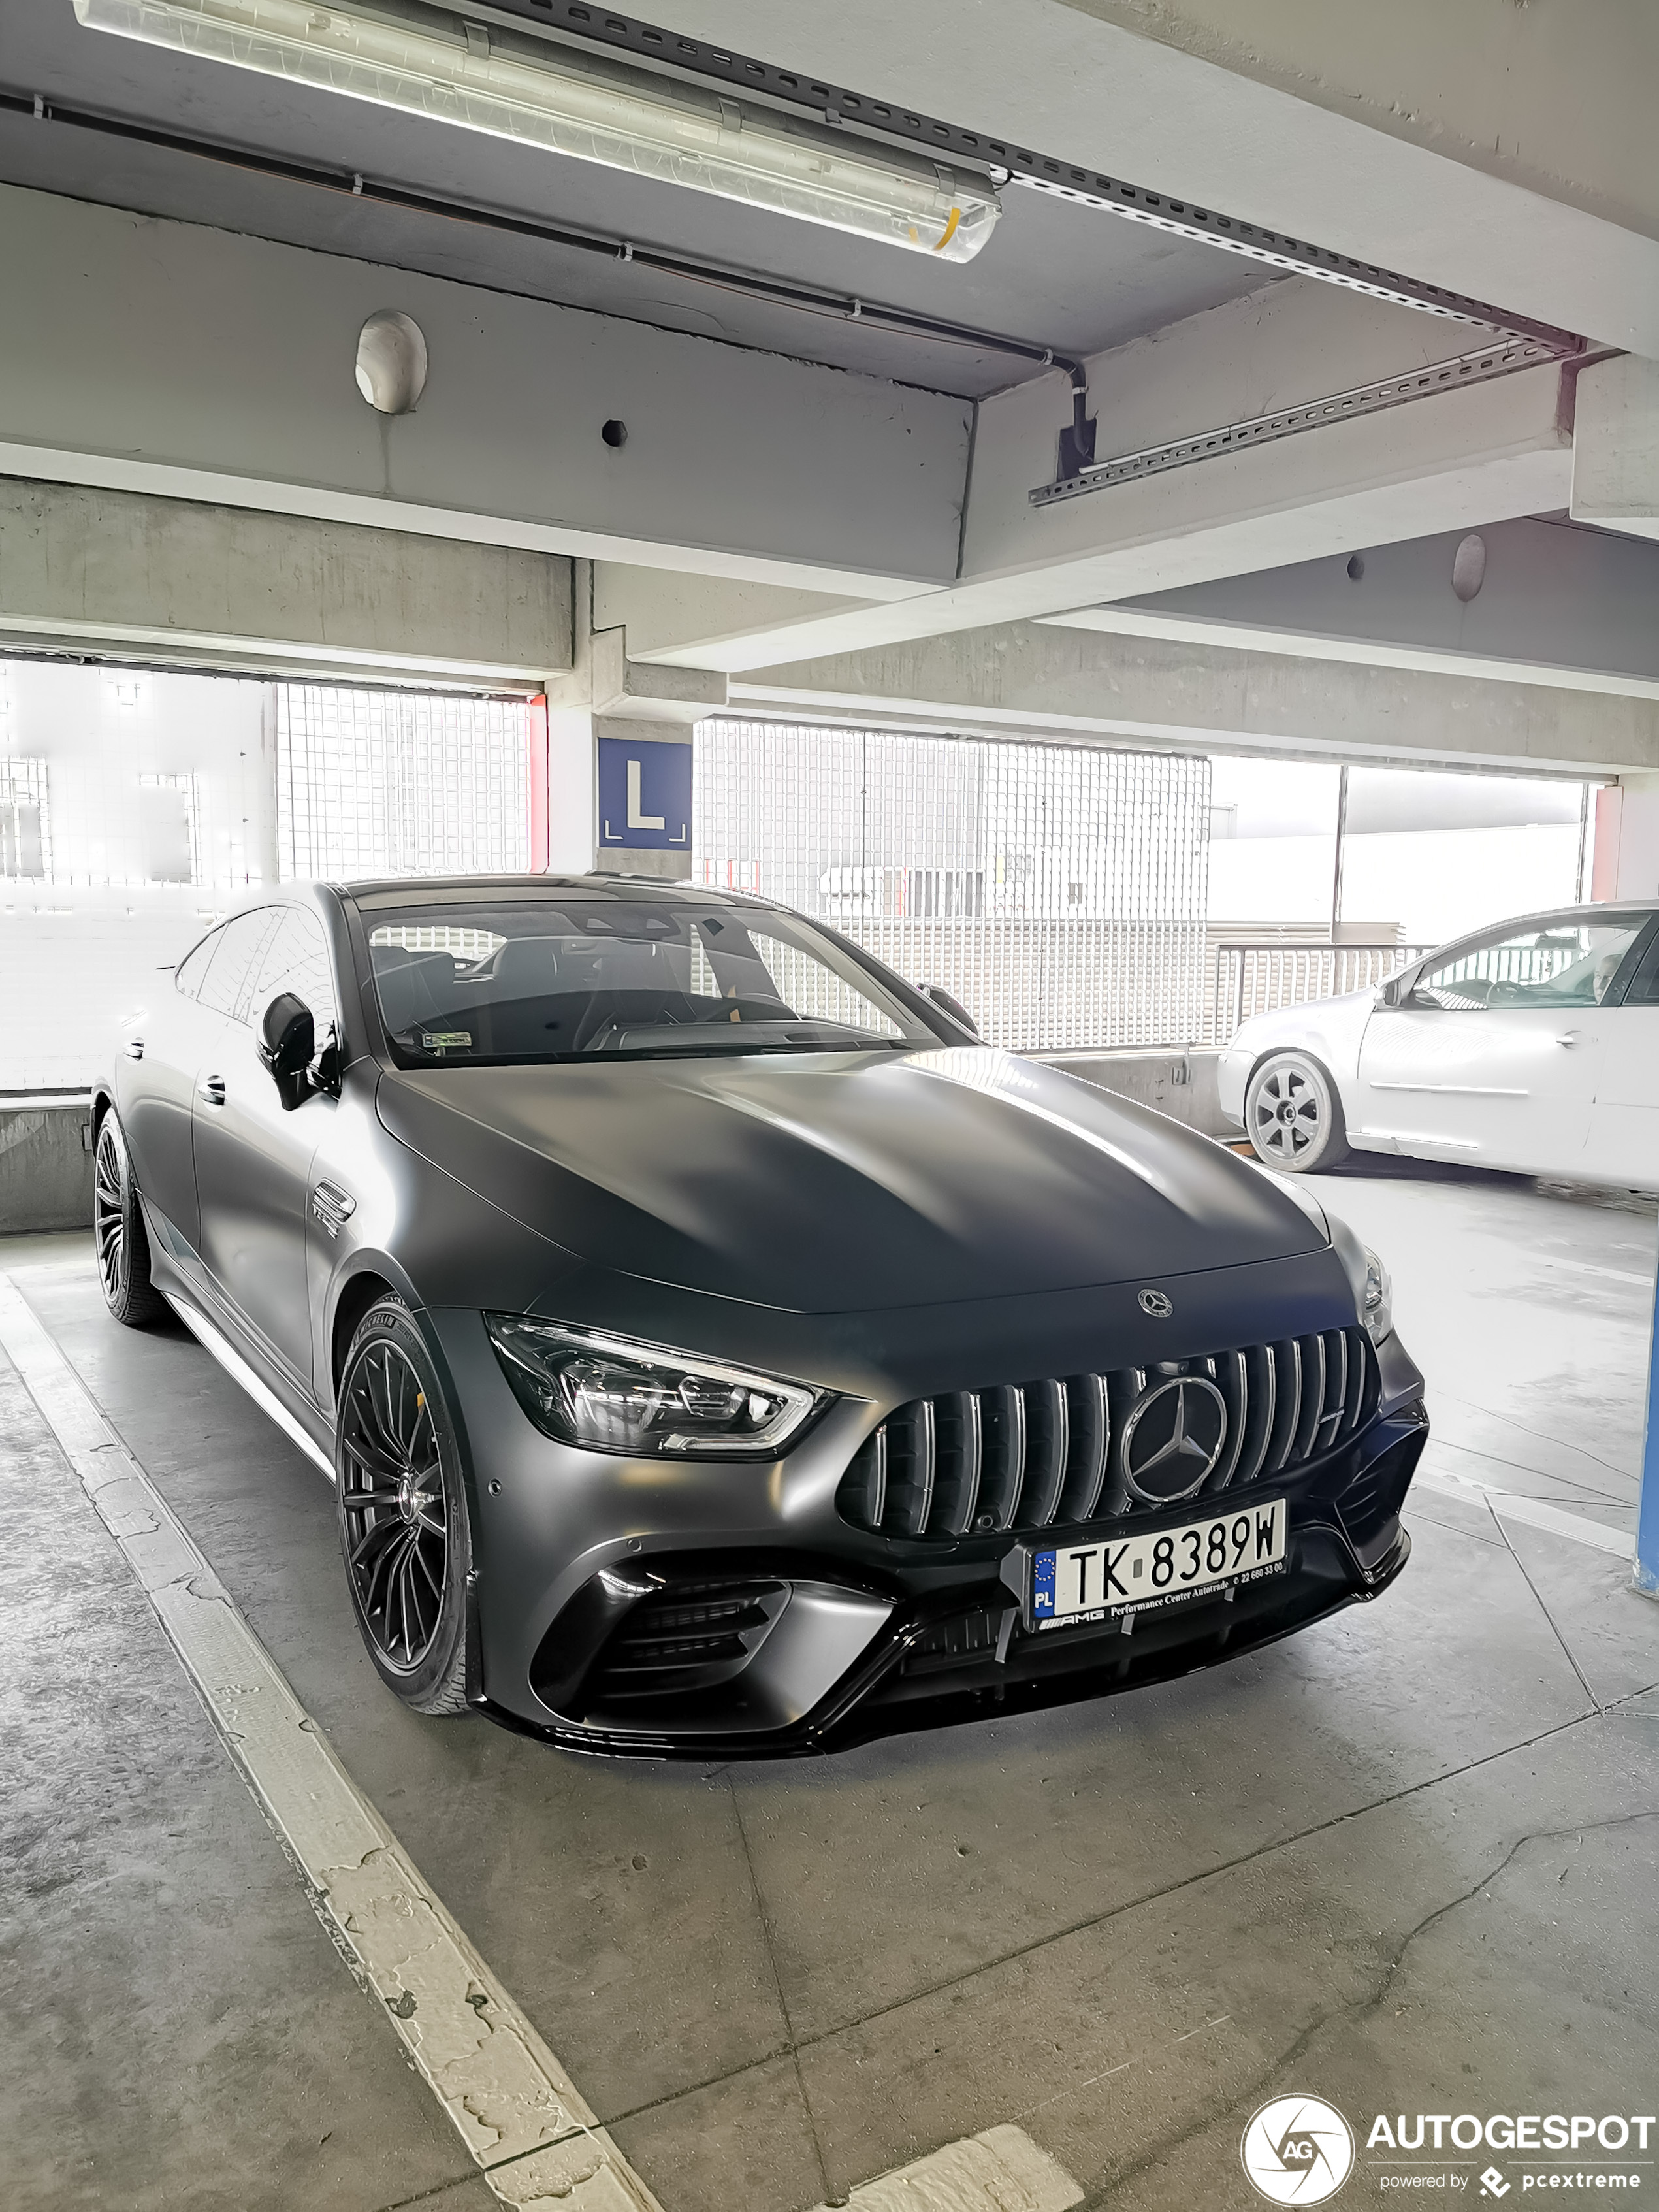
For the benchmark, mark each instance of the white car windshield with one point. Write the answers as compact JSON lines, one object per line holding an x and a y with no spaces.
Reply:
{"x":1557,"y":964}
{"x":542,"y":979}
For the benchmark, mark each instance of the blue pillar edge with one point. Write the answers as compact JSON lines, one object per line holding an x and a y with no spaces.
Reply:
{"x":1647,"y":1508}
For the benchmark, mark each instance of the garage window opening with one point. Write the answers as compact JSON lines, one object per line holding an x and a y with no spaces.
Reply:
{"x":539,"y":980}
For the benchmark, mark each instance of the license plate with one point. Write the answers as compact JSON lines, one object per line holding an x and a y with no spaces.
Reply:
{"x":1103,"y":1579}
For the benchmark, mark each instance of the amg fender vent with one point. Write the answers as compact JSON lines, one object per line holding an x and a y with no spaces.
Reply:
{"x":1078,"y":1448}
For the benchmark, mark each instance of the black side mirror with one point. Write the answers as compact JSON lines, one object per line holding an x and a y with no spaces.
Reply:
{"x":941,"y":998}
{"x":288,"y":1039}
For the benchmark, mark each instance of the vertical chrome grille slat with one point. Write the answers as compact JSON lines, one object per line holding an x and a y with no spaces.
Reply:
{"x":1090,"y":1426}
{"x":1046,"y":1440}
{"x":1262,"y":1407}
{"x":909,"y":1468}
{"x":956,"y":1462}
{"x":1337,"y":1400}
{"x":1003,"y":1415}
{"x":1360,"y":1381}
{"x":1311,"y":1400}
{"x":1233,"y":1374}
{"x":1287,"y":1362}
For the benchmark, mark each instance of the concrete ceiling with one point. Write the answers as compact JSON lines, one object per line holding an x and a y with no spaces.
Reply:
{"x":1053,"y":274}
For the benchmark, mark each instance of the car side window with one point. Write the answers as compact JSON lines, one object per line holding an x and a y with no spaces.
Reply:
{"x":187,"y":976}
{"x":1643,"y":989}
{"x":1563,"y":963}
{"x":296,"y":959}
{"x":225,"y":985}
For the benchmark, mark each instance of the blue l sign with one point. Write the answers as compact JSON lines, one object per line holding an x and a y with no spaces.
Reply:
{"x":645,"y":793}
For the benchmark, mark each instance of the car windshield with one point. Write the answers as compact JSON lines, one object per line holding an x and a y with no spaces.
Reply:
{"x":538,"y":979}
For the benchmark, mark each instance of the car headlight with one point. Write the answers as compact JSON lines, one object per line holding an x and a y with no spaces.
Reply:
{"x":1373,"y":1293}
{"x":1377,"y":1306}
{"x":610,"y":1394}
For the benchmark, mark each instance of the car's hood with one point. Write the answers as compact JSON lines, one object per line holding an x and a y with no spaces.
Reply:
{"x":842,"y":1183}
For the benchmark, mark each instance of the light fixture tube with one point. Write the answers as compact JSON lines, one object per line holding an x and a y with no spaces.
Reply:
{"x":593,"y":110}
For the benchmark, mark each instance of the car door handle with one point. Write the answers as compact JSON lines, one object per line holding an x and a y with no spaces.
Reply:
{"x":1570,"y":1038}
{"x":134,"y":1048}
{"x":211,"y":1088}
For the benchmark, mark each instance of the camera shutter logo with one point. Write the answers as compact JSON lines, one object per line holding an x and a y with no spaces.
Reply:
{"x":1296,"y":2150}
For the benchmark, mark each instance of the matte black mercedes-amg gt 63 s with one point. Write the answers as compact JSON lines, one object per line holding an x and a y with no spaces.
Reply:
{"x":716,"y":1347}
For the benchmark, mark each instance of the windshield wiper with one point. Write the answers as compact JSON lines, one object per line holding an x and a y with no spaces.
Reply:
{"x":708,"y":1046}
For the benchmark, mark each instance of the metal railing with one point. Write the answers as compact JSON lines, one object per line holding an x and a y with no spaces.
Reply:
{"x":1248,"y":978}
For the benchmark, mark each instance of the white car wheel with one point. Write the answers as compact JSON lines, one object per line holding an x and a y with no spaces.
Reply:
{"x":1293,"y":1115}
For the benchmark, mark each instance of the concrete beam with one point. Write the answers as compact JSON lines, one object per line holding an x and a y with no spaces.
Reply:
{"x":1615,"y":473}
{"x":169,"y":358}
{"x":1574,"y":607}
{"x":1038,"y":680}
{"x":1501,"y":151}
{"x":166,"y":580}
{"x":1453,"y":462}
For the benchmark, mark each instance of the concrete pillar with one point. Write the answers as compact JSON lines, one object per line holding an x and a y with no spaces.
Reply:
{"x":1615,"y":445}
{"x":1626,"y":862}
{"x":619,"y":754}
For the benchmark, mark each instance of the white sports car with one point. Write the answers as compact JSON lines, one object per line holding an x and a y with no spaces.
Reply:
{"x":1532,"y":1046}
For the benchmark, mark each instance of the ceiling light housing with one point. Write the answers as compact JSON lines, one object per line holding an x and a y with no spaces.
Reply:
{"x":591,"y":109}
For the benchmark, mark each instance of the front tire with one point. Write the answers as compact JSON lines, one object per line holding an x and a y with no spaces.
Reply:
{"x":1293,"y":1115}
{"x":403,"y":1516}
{"x":118,"y":1234}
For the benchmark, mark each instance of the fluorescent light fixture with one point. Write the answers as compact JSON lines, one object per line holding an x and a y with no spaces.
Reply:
{"x":591,"y":109}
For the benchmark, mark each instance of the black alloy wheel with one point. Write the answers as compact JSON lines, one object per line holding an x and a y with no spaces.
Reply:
{"x":402,"y":1512}
{"x":1293,"y":1116}
{"x":118,"y":1230}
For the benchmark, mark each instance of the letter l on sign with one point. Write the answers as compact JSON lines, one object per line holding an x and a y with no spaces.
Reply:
{"x":636,"y":819}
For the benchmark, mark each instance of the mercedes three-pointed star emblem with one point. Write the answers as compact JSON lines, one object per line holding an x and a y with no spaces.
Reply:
{"x":1173,"y":1438}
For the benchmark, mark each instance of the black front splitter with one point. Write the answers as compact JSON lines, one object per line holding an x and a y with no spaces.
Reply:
{"x":864,"y":1709}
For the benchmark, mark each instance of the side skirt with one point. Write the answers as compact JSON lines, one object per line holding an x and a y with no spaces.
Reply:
{"x":240,"y":1372}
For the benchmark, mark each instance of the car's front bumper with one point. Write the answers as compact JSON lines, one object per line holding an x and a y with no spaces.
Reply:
{"x":685,"y":1610}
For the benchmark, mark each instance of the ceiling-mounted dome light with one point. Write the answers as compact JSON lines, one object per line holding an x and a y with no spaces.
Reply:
{"x":593,"y":109}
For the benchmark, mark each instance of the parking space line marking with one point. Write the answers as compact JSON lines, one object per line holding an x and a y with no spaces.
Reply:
{"x":508,"y":2098}
{"x":1000,"y":2171}
{"x":1514,"y":1506}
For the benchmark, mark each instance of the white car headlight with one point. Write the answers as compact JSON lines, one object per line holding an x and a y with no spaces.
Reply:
{"x":610,"y":1394}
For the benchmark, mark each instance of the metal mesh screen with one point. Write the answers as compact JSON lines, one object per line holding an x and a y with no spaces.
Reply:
{"x":393,"y":783}
{"x":1059,"y":891}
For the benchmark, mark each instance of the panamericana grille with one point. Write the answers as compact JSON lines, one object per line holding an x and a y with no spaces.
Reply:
{"x":1079,"y":1448}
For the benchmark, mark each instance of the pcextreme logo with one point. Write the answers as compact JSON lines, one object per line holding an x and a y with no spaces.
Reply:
{"x":1296,"y":2150}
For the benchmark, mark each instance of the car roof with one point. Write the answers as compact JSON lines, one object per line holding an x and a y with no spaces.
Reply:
{"x":444,"y":890}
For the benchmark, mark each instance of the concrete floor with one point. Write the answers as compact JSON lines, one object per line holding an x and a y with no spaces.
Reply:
{"x":1406,"y":1862}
